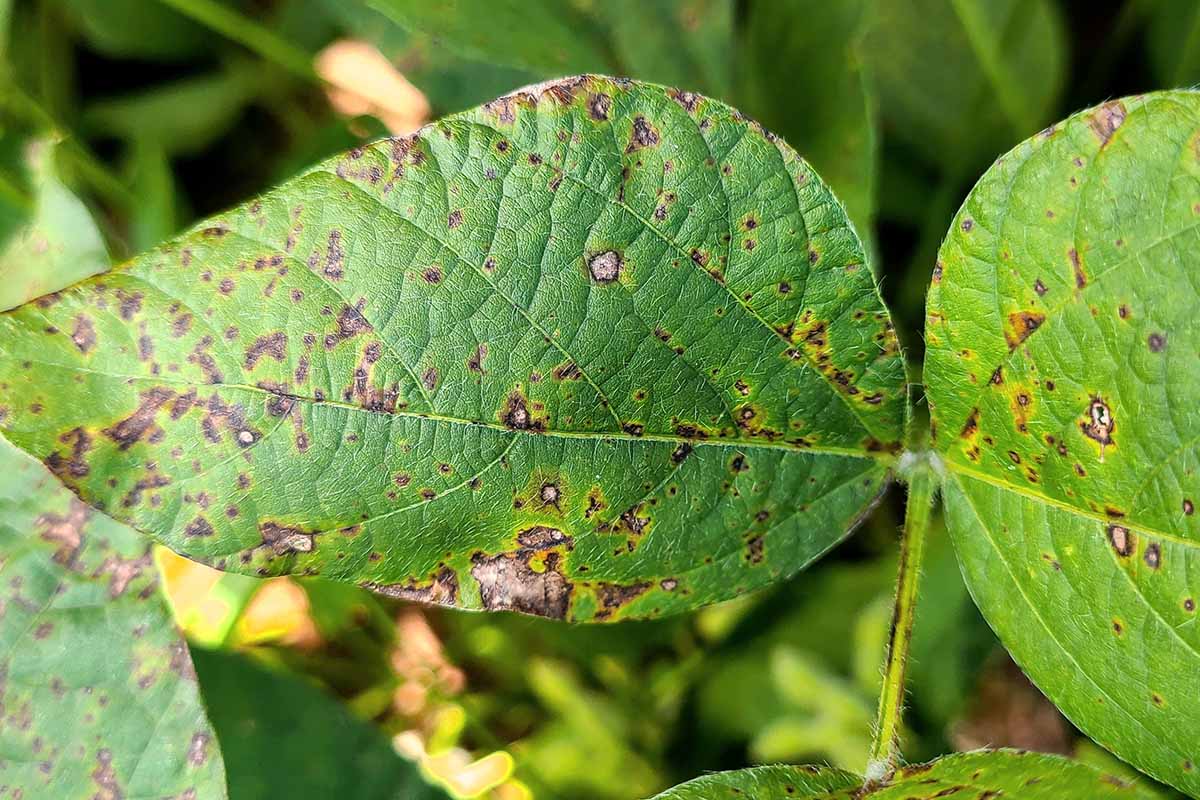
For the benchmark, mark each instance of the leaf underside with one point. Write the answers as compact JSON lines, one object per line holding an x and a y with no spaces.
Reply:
{"x":982,"y":774}
{"x":1061,"y":373}
{"x":598,"y":349}
{"x":97,"y":692}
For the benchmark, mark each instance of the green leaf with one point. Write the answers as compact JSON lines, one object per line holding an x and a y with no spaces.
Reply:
{"x":825,"y":108}
{"x":999,"y":68}
{"x":96,"y":684}
{"x":1061,"y":375}
{"x":542,"y":35}
{"x":596,"y":349}
{"x":680,"y":42}
{"x":59,"y":245}
{"x":982,"y":774}
{"x":156,"y":215}
{"x":764,"y":783}
{"x":183,"y":117}
{"x":1173,"y":39}
{"x":137,"y":29}
{"x":676,"y":42}
{"x":283,"y":737}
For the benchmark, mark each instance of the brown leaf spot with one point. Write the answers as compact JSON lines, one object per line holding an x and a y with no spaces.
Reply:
{"x":1020,"y":325}
{"x":1157,"y":342}
{"x":104,"y":776}
{"x":1122,"y":541}
{"x":598,"y":106}
{"x":441,"y":589}
{"x":335,"y":256}
{"x":605,"y":267}
{"x":1099,"y":424}
{"x":1153,"y":555}
{"x":508,"y":582}
{"x":1077,"y":268}
{"x":65,"y":531}
{"x":429,"y":379}
{"x":198,"y":749}
{"x":614,"y":596}
{"x":1105,"y":120}
{"x":84,"y":334}
{"x":283,"y":539}
{"x":643,"y":135}
{"x":199,"y":527}
{"x":350,"y":323}
{"x":134,"y":427}
{"x":271,"y":344}
{"x":475,"y":361}
{"x":75,"y":465}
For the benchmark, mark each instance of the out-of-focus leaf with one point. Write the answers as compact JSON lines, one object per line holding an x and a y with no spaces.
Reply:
{"x":983,"y":774}
{"x":547,"y":36}
{"x":284,"y":738}
{"x":137,"y":29}
{"x":588,"y":742}
{"x":555,"y":355}
{"x":1173,"y":39}
{"x":96,"y":684}
{"x":822,"y":715}
{"x":823,"y":107}
{"x":58,"y":246}
{"x":205,"y":602}
{"x":958,"y":80}
{"x":1061,"y":375}
{"x":155,"y":215}
{"x":735,"y":701}
{"x":676,"y":42}
{"x":181,"y":117}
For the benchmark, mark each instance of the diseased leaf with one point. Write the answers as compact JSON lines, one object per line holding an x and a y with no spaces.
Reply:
{"x":1061,"y":373}
{"x":764,"y":783}
{"x":284,"y":738}
{"x":96,"y":685}
{"x":981,"y":774}
{"x":596,"y":349}
{"x":59,"y":245}
{"x":1000,"y":65}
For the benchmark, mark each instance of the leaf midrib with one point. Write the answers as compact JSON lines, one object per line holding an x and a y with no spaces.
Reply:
{"x":999,"y":483}
{"x":743,"y":444}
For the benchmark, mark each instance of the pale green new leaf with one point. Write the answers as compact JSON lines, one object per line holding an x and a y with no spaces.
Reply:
{"x":983,"y":775}
{"x":97,"y":690}
{"x":1062,"y":376}
{"x":59,"y":245}
{"x":596,"y":349}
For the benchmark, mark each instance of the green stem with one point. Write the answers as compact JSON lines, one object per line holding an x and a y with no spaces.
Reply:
{"x":248,"y":33}
{"x":885,"y":751}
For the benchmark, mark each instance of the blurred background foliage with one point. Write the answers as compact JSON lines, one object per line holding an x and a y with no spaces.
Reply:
{"x":124,"y":121}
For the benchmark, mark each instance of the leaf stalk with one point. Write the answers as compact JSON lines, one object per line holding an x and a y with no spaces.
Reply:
{"x":922,"y":470}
